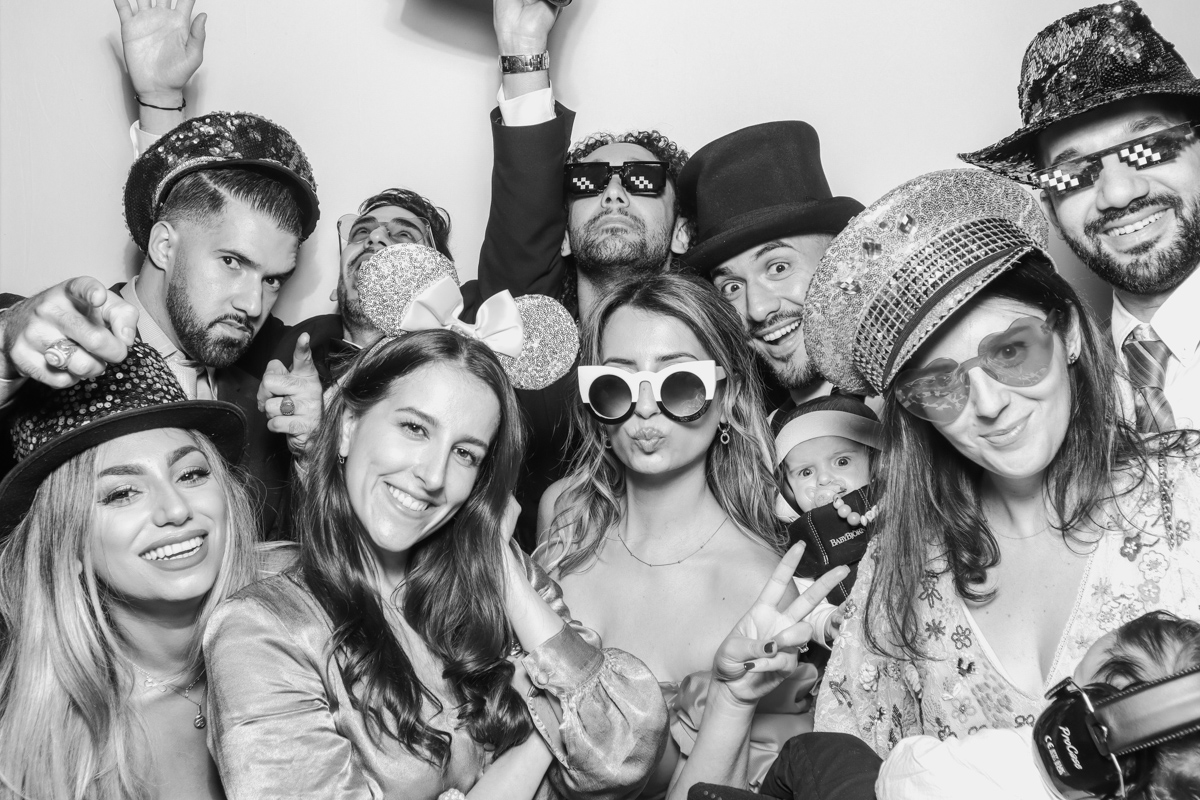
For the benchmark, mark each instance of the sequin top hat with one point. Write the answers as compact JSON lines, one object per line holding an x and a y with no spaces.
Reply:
{"x":1085,"y":60}
{"x":755,"y":185}
{"x":908,"y":262}
{"x":407,"y":288}
{"x":220,"y":140}
{"x":51,"y":426}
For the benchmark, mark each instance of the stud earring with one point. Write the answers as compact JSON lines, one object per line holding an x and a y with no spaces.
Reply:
{"x":1072,"y":358}
{"x":724,"y":429}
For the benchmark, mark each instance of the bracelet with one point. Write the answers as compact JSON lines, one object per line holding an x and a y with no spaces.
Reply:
{"x":140,"y":102}
{"x":514,"y":65}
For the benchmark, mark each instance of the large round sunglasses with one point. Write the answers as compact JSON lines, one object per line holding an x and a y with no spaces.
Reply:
{"x":683,"y":391}
{"x":1018,"y":356}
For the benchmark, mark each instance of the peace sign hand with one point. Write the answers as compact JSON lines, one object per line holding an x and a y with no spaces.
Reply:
{"x":760,"y":652}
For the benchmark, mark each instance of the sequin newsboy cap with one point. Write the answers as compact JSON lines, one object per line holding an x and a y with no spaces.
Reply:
{"x":906,"y":263}
{"x":51,"y":426}
{"x":220,"y":140}
{"x":1085,"y":60}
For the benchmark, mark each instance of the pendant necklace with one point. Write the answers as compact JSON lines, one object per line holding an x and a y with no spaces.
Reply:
{"x":680,"y":561}
{"x":163,"y":687}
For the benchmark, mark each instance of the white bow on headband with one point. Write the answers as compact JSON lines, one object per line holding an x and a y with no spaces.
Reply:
{"x":498,"y":323}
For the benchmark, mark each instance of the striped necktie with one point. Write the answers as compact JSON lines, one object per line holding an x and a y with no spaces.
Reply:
{"x":1147,"y":356}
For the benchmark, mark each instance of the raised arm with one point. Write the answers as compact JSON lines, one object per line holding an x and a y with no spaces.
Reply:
{"x":163,"y":48}
{"x":758,"y":655}
{"x":530,"y":134}
{"x":612,"y":722}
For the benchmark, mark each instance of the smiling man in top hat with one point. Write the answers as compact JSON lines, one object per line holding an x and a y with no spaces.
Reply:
{"x":763,"y":216}
{"x":1109,"y":108}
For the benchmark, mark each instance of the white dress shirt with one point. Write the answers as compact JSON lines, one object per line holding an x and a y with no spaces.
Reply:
{"x":1177,"y":323}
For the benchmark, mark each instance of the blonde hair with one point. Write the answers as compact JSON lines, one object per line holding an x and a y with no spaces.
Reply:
{"x":739,"y":474}
{"x":67,"y":728}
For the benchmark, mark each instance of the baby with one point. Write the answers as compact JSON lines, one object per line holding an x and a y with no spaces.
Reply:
{"x":823,"y":465}
{"x":1001,"y":763}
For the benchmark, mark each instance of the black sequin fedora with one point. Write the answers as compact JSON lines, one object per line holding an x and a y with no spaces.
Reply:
{"x":1085,"y":60}
{"x":755,"y":185}
{"x":51,"y":426}
{"x":220,"y":140}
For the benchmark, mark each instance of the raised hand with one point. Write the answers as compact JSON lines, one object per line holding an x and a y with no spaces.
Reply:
{"x":293,"y":399}
{"x":67,"y":333}
{"x":523,"y":26}
{"x":760,"y":652}
{"x":163,"y":46}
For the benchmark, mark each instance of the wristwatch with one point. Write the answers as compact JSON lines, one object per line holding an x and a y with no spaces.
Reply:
{"x":513,"y":65}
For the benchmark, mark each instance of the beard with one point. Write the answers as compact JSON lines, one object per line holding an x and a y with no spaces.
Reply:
{"x":797,"y":370}
{"x":354,"y":318}
{"x":202,"y":340}
{"x":605,"y":259}
{"x":1151,"y":268}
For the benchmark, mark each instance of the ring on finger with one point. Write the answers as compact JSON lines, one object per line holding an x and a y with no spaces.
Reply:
{"x":802,"y":649}
{"x":287,"y":407}
{"x":59,"y":353}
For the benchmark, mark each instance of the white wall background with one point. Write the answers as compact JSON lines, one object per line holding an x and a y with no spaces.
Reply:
{"x":396,"y":93}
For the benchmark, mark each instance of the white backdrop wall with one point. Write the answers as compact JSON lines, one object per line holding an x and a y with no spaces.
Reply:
{"x":396,"y":93}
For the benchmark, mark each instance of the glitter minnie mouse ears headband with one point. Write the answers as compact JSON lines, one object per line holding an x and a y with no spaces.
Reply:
{"x":409,"y":287}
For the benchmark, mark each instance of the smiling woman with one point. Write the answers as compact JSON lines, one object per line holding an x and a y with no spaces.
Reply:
{"x":414,"y":651}
{"x":123,"y":530}
{"x":1021,"y":518}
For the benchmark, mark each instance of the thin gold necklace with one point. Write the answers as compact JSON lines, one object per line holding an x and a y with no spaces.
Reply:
{"x":163,"y":687}
{"x":680,"y":561}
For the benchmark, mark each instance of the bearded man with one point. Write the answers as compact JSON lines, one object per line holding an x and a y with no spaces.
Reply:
{"x":1109,"y":108}
{"x":219,"y":206}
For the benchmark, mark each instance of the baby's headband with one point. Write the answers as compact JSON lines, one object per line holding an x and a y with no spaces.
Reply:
{"x":816,"y":424}
{"x":409,"y":287}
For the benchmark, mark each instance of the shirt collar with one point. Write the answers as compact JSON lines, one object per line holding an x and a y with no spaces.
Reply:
{"x":1174,"y":321}
{"x":147,"y":328}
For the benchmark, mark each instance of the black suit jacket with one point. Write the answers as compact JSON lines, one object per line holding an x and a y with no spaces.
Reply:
{"x":522,"y":252}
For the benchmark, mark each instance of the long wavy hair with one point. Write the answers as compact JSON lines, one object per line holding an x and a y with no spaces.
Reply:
{"x":930,"y":493}
{"x":739,"y":474}
{"x":67,"y":727}
{"x":455,"y":585}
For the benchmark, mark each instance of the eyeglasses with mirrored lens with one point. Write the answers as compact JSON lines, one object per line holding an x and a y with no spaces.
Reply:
{"x":354,"y":229}
{"x":1018,"y":356}
{"x":683,"y":391}
{"x":584,"y":178}
{"x":1143,"y":152}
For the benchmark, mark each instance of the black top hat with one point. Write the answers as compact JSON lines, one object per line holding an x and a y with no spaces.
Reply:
{"x":220,"y":140}
{"x":1085,"y":60}
{"x":51,"y":426}
{"x":755,"y":185}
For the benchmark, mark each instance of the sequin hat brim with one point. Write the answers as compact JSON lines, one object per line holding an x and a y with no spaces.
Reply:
{"x":1015,"y":156}
{"x":223,"y":423}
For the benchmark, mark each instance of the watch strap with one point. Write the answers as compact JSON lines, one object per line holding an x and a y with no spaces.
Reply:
{"x":513,"y":65}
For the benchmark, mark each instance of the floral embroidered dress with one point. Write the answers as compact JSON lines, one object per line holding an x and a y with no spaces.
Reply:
{"x":1138,"y":565}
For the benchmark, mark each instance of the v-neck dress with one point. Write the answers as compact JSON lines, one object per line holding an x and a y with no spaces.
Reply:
{"x":963,"y":687}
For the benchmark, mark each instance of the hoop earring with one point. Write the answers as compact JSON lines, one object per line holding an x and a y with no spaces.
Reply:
{"x":724,"y":428}
{"x":606,"y":441}
{"x":341,"y":460}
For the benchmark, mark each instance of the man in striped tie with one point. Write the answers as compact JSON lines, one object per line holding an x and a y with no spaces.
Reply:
{"x":1110,"y":110}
